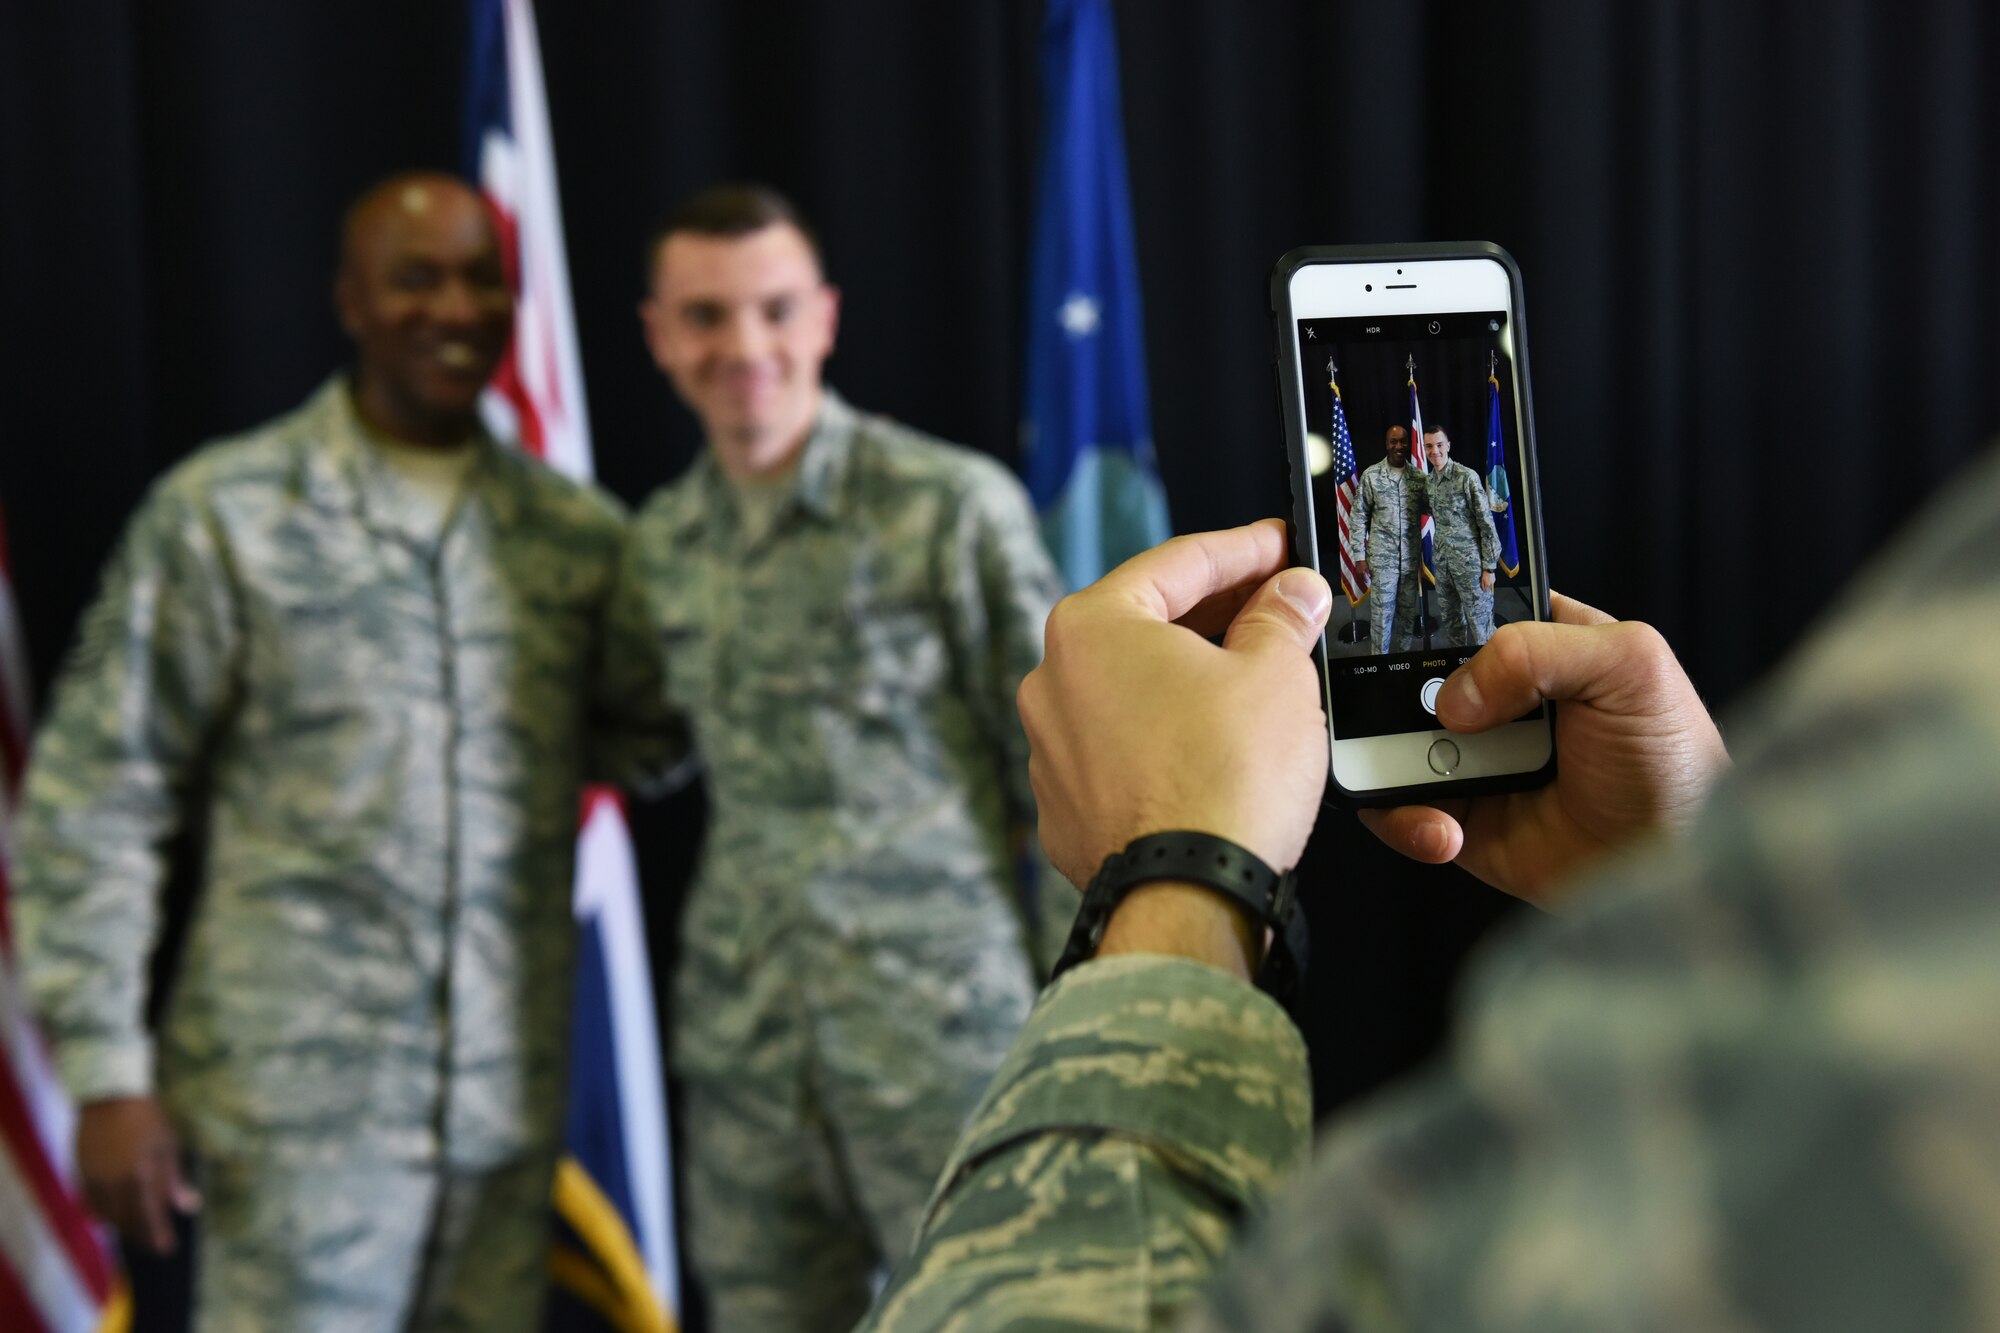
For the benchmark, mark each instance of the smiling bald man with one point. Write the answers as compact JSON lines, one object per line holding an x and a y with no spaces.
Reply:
{"x":376,"y":655}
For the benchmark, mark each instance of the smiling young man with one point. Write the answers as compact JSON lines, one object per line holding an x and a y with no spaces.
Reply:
{"x":371,"y":651}
{"x":1466,"y":546}
{"x":847,"y":608}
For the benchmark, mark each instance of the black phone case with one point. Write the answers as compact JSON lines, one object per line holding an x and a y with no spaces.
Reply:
{"x":1304,"y":528}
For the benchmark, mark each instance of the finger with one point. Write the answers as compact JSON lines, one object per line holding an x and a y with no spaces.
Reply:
{"x":157,"y":1175}
{"x":156,"y":1224}
{"x":1212,"y":617}
{"x":1177,"y":576}
{"x":1288,"y":611}
{"x":1528,"y":662}
{"x":1569,"y":611}
{"x":181,"y":1193}
{"x":1420,"y":832}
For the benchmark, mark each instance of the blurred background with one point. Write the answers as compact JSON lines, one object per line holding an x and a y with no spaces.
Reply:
{"x":1758,"y":242}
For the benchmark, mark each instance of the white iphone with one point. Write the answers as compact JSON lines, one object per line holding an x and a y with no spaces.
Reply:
{"x":1403,"y":382}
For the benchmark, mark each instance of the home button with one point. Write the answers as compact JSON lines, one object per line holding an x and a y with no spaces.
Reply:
{"x":1443,"y":758}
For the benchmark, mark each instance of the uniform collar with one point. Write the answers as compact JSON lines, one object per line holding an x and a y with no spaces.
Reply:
{"x":348,"y":472}
{"x":820,"y":481}
{"x":823,"y":465}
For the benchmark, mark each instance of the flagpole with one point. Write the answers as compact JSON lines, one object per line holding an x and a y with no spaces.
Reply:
{"x":1493,"y":377}
{"x":1423,"y":625}
{"x":1357,"y":627}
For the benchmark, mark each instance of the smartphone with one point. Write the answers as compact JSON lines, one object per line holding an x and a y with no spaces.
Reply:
{"x":1403,"y":384}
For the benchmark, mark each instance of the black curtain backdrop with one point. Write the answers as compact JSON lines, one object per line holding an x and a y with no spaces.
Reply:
{"x":1757,"y":242}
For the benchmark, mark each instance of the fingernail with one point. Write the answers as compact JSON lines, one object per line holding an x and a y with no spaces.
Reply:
{"x":1461,"y":695}
{"x":1306,"y":591}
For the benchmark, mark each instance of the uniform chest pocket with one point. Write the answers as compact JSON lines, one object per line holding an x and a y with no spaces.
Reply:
{"x":686,"y":645}
{"x":896,"y":651}
{"x":321,"y":650}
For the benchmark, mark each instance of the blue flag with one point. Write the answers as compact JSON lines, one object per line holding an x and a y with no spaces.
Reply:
{"x":1498,"y":493}
{"x":1087,"y":427}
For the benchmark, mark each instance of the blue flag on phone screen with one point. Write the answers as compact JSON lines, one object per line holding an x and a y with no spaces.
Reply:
{"x":1087,"y":429}
{"x":1498,"y":493}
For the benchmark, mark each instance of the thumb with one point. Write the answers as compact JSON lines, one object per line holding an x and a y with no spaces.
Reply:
{"x":1290,"y":609}
{"x":1623,"y":664}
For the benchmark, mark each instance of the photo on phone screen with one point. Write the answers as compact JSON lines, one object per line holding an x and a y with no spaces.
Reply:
{"x":1403,"y":378}
{"x":1409,"y":421}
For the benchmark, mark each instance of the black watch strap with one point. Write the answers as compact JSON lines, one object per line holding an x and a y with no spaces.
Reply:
{"x":1214,"y":863}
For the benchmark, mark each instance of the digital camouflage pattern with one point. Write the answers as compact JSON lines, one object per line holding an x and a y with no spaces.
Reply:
{"x":854,"y":961}
{"x":388,"y":738}
{"x":1388,"y":507}
{"x":1464,"y":545}
{"x":1750,"y":1085}
{"x":372,"y":1247}
{"x":1148,"y":1106}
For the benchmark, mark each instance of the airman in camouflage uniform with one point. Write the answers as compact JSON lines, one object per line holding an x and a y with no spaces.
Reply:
{"x":1465,"y":548}
{"x":1751,"y":1084}
{"x":847,"y":612}
{"x":387,"y":696}
{"x":1388,"y":507}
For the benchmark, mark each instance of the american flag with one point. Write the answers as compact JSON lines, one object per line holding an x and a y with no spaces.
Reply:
{"x":54,"y":1277}
{"x":1422,"y":465}
{"x":613,"y":1195}
{"x":1353,"y":580}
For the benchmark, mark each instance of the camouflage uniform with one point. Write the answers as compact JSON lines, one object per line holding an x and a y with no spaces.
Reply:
{"x":1751,"y":1084}
{"x":388,"y":739}
{"x":1464,"y":545}
{"x":853,"y":963}
{"x":1387,"y":507}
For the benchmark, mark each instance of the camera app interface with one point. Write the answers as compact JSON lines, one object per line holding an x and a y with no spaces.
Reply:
{"x":1413,"y":448}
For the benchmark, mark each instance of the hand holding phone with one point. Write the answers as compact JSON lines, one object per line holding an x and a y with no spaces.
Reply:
{"x":1139,"y":725}
{"x":1638,"y":754}
{"x":1403,"y":385}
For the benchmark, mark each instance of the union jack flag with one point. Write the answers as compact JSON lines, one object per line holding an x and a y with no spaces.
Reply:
{"x":614,"y":1256}
{"x":1418,"y":461}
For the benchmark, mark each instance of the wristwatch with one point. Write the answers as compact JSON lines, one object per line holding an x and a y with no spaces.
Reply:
{"x":1214,"y":863}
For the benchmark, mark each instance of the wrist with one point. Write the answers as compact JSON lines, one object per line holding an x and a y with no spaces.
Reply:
{"x":1197,"y":896}
{"x":1184,"y":920}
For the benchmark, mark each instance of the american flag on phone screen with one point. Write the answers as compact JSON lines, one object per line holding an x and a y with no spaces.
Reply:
{"x":1353,"y":579}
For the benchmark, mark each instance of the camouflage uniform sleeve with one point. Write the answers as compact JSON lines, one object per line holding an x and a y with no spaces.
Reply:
{"x":1364,"y":513}
{"x":1148,"y":1105}
{"x":138,"y":701}
{"x":1482,"y":521}
{"x":638,"y":739}
{"x":1001,"y":587}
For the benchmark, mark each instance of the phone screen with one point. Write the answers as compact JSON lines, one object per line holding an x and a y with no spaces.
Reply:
{"x":1422,"y":515}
